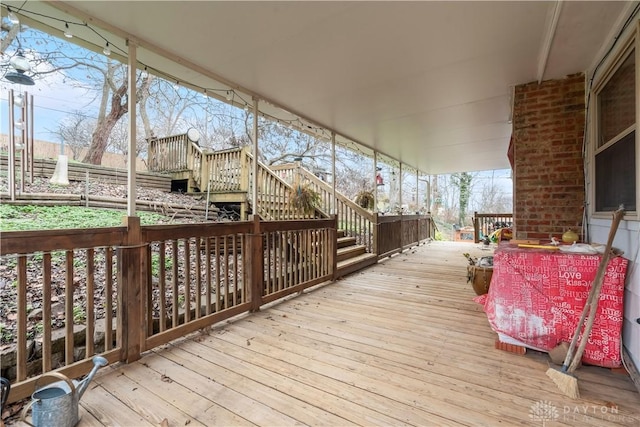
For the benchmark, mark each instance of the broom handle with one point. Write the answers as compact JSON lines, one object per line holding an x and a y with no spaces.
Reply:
{"x":594,"y":295}
{"x":574,"y":341}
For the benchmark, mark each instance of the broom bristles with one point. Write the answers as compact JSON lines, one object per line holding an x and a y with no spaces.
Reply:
{"x":567,"y":383}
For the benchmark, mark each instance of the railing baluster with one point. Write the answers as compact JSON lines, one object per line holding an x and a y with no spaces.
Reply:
{"x":68,"y":305}
{"x":198,"y":291}
{"x":108,"y":292}
{"x":208,"y":255}
{"x":235,"y":269}
{"x":162,"y":282}
{"x":21,"y":354}
{"x":187,"y":280}
{"x":226,"y":271}
{"x":46,"y":312}
{"x":174,"y":283}
{"x":90,"y":311}
{"x":217,"y":267}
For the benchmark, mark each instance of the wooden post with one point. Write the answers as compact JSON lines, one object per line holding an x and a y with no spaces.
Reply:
{"x":334,"y":204}
{"x":131,"y":158}
{"x":244,"y":181}
{"x":375,"y":181}
{"x":255,"y":208}
{"x":401,"y":233}
{"x":333,"y":252}
{"x":376,"y":233}
{"x":255,"y":284}
{"x":476,"y":227}
{"x":131,"y":317}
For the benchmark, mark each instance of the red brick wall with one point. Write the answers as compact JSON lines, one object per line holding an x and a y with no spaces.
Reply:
{"x":548,"y":129}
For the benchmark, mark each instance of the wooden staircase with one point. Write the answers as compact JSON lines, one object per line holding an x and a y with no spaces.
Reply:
{"x":226,"y":177}
{"x":352,"y":256}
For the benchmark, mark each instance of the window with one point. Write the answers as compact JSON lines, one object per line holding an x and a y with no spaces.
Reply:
{"x":615,"y":153}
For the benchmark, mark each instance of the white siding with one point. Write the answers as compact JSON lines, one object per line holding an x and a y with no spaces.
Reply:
{"x":628,"y":240}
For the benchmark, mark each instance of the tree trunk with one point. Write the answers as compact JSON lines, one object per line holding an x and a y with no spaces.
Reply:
{"x":100,"y":137}
{"x":143,"y":97}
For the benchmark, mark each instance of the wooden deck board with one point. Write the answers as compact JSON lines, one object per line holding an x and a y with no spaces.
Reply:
{"x":401,"y":343}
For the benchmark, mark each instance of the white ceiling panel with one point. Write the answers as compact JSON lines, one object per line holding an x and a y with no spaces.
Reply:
{"x":427,"y":83}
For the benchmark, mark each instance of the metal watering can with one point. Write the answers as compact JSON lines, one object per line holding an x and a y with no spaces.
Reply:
{"x":56,"y":404}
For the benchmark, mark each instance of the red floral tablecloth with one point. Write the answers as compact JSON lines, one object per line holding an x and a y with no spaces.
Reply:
{"x":536,"y":299}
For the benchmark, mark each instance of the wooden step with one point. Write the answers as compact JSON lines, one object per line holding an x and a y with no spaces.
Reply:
{"x":350,"y":252}
{"x":340,"y":233}
{"x":343,"y":242}
{"x":356,"y":263}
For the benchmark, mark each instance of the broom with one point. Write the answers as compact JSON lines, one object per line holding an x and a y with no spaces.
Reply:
{"x":564,"y":378}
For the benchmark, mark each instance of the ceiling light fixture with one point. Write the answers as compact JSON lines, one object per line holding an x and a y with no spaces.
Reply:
{"x":107,"y":50}
{"x":67,"y":31}
{"x":21,"y":65}
{"x":229,"y":95}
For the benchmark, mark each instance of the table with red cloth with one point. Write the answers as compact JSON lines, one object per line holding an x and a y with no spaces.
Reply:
{"x":536,"y":298}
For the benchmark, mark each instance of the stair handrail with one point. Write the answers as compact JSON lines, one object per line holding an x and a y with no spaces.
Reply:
{"x":279,"y":199}
{"x":353,"y":219}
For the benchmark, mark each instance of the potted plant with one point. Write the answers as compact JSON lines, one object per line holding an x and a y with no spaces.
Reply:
{"x":304,"y":199}
{"x":364,"y":199}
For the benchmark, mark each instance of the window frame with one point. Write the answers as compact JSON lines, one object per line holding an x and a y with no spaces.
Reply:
{"x":632,"y":44}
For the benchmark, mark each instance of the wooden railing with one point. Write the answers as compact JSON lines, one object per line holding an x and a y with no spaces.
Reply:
{"x":158,"y":283}
{"x":61,"y":270}
{"x":274,"y":194}
{"x":226,"y":171}
{"x":354,"y":220}
{"x":486,"y":223}
{"x":398,"y":232}
{"x":169,"y":154}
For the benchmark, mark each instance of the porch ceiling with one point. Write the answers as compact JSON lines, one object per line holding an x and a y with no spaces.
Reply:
{"x":426,"y":83}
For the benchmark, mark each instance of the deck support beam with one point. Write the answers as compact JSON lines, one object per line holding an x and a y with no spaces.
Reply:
{"x":334,"y":210}
{"x":131,"y":161}
{"x":254,"y":195}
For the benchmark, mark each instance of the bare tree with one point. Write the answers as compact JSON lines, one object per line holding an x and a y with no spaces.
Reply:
{"x":75,"y":132}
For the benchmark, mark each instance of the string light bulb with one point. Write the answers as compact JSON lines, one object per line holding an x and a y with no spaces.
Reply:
{"x":107,"y":50}
{"x":67,"y":31}
{"x":229,"y":95}
{"x":13,"y":18}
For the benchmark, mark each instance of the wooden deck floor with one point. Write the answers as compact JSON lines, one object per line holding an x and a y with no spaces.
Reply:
{"x":401,"y":343}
